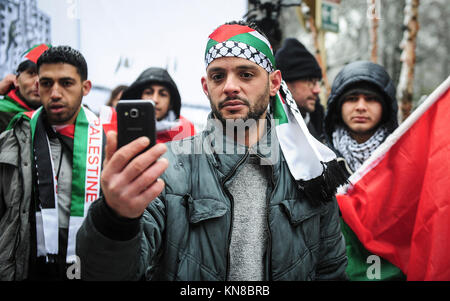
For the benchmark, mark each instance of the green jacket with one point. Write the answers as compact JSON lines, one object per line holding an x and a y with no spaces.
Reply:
{"x":15,"y":201}
{"x":185,"y":233}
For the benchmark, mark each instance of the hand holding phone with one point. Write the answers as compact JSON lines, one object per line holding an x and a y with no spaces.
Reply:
{"x":131,"y":174}
{"x":135,"y":118}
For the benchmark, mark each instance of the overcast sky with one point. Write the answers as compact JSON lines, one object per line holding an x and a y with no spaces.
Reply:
{"x":170,"y":33}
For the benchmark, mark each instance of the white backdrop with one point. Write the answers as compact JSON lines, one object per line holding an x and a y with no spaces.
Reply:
{"x":121,"y":38}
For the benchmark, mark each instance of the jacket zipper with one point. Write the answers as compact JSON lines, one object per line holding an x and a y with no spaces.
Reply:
{"x":269,"y":242}
{"x":17,"y":240}
{"x":231,"y":209}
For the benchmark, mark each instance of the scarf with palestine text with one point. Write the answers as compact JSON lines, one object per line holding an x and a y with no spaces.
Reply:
{"x":86,"y":166}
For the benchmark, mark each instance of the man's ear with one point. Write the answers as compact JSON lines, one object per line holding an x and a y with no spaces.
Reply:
{"x":87,"y":86}
{"x":205,"y":86}
{"x":275,"y":82}
{"x":16,"y":82}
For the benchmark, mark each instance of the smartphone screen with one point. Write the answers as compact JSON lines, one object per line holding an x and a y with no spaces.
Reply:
{"x":135,"y":118}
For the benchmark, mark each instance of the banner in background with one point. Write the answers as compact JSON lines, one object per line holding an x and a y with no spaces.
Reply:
{"x":22,"y":25}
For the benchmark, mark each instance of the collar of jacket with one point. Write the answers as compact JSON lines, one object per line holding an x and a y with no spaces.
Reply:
{"x":227,"y":155}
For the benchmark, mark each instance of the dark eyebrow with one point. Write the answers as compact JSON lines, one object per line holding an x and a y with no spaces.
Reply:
{"x":215,"y":69}
{"x":240,"y":67}
{"x":247,"y":67}
{"x":67,"y":78}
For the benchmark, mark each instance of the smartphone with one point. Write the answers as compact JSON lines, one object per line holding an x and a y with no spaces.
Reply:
{"x":135,"y":118}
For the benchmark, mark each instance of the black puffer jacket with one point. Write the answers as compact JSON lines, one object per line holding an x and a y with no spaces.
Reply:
{"x":351,"y":74}
{"x":157,"y":76}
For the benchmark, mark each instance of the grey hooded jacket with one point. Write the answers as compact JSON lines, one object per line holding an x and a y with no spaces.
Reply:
{"x":15,"y":200}
{"x":184,"y":234}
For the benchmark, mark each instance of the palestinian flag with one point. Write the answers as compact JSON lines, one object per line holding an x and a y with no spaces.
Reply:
{"x":398,"y":201}
{"x":304,"y":155}
{"x":242,"y":34}
{"x":35,"y":52}
{"x":13,"y":104}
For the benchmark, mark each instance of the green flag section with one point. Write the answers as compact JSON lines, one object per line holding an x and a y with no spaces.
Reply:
{"x":279,"y":114}
{"x":13,"y":104}
{"x":79,"y":164}
{"x":362,"y":266}
{"x":10,"y":106}
{"x":255,"y":40}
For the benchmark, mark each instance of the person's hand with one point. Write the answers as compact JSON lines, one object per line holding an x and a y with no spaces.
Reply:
{"x":130,"y":184}
{"x":6,"y":83}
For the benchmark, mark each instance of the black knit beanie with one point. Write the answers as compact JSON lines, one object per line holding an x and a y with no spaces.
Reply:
{"x":296,"y":62}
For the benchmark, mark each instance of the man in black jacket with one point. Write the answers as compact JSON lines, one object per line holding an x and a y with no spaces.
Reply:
{"x":302,"y":74}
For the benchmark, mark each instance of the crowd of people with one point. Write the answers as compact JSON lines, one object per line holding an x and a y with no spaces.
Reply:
{"x":229,"y":211}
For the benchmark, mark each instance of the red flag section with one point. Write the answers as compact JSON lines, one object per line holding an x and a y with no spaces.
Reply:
{"x":398,"y":204}
{"x":13,"y":95}
{"x":34,"y":53}
{"x":225,"y":32}
{"x":183,"y":130}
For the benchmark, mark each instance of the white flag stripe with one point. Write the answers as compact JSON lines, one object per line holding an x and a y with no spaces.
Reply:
{"x":50,"y":224}
{"x":262,"y":38}
{"x":74,"y":225}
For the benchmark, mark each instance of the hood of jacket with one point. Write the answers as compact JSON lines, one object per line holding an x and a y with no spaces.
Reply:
{"x":350,"y":75}
{"x":159,"y":76}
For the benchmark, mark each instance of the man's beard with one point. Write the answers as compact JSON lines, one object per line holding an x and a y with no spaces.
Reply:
{"x":63,"y":119}
{"x":255,"y":112}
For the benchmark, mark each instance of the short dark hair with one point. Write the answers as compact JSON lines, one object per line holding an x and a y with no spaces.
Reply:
{"x":65,"y":54}
{"x":26,"y":65}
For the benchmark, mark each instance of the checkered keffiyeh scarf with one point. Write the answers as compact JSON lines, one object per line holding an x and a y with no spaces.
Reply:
{"x":238,"y":49}
{"x":353,"y":152}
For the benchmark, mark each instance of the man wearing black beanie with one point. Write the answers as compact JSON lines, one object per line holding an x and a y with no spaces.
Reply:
{"x":302,"y":74}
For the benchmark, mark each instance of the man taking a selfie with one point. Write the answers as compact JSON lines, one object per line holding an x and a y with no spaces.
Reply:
{"x":222,"y":205}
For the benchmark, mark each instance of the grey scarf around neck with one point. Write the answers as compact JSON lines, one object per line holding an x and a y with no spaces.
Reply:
{"x":353,"y":152}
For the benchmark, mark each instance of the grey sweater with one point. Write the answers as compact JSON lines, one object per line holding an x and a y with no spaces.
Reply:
{"x":249,"y":230}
